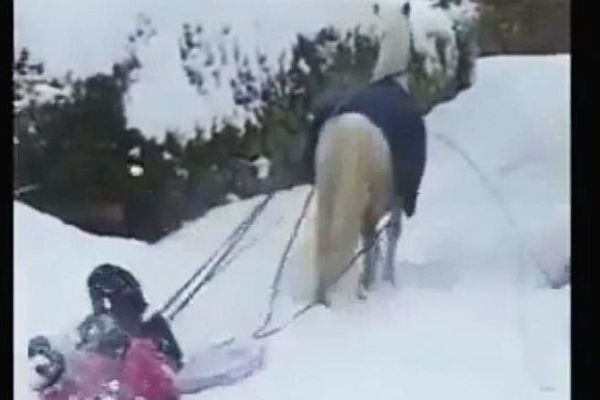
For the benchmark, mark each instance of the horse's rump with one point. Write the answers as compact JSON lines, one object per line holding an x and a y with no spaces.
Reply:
{"x":354,"y":187}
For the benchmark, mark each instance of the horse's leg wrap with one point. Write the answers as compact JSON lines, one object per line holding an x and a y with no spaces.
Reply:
{"x":321,"y":296}
{"x":393,"y":233}
{"x":370,"y":268}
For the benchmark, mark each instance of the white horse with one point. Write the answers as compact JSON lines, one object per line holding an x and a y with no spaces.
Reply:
{"x":368,"y":161}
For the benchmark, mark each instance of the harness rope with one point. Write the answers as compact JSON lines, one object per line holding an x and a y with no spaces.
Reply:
{"x":223,"y":262}
{"x":262,"y":333}
{"x":496,"y":196}
{"x":224,"y":250}
{"x":282,"y":262}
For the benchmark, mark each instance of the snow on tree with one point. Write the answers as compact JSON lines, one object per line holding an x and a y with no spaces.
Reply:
{"x":444,"y":49}
{"x":32,"y":86}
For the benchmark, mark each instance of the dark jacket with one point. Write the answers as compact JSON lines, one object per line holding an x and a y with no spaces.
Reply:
{"x":388,"y":106}
{"x":104,"y":334}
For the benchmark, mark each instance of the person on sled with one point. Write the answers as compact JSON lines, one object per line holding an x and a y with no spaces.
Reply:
{"x":118,"y":355}
{"x":115,"y":291}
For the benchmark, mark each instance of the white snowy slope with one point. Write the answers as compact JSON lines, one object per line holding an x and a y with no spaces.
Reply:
{"x":466,"y":321}
{"x":88,"y":37}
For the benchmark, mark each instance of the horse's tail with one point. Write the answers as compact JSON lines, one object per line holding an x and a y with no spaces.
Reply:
{"x":351,"y":154}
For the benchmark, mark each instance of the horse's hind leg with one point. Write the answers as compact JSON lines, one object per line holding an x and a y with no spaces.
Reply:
{"x":325,"y":246}
{"x":393,"y":233}
{"x":370,"y":242}
{"x":379,"y":191}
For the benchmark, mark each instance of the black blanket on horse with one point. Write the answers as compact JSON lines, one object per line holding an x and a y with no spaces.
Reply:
{"x":387,"y":105}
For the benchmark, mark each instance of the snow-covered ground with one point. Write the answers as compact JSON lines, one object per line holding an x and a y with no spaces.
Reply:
{"x":467,"y":321}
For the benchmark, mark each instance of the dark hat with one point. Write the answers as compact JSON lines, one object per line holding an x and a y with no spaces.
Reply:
{"x":110,"y":285}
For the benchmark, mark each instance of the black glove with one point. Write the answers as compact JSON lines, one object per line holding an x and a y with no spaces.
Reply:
{"x":49,"y":363}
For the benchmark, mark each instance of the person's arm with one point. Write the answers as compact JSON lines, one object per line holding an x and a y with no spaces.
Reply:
{"x":157,"y":328}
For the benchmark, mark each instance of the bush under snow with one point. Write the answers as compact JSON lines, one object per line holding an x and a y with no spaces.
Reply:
{"x":191,"y":56}
{"x":444,"y":35}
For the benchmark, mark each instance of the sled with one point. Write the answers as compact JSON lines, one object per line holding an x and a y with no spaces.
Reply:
{"x":224,"y":364}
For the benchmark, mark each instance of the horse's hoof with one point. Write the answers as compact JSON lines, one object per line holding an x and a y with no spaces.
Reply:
{"x":361,"y":293}
{"x":321,"y":298}
{"x":323,"y":302}
{"x":390,"y":276}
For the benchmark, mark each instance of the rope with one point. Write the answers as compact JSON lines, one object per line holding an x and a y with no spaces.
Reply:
{"x":484,"y":181}
{"x":496,"y":196}
{"x":261,"y":333}
{"x":282,"y":264}
{"x":225,"y":248}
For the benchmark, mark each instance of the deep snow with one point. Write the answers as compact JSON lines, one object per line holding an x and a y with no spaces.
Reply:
{"x":466,"y":322}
